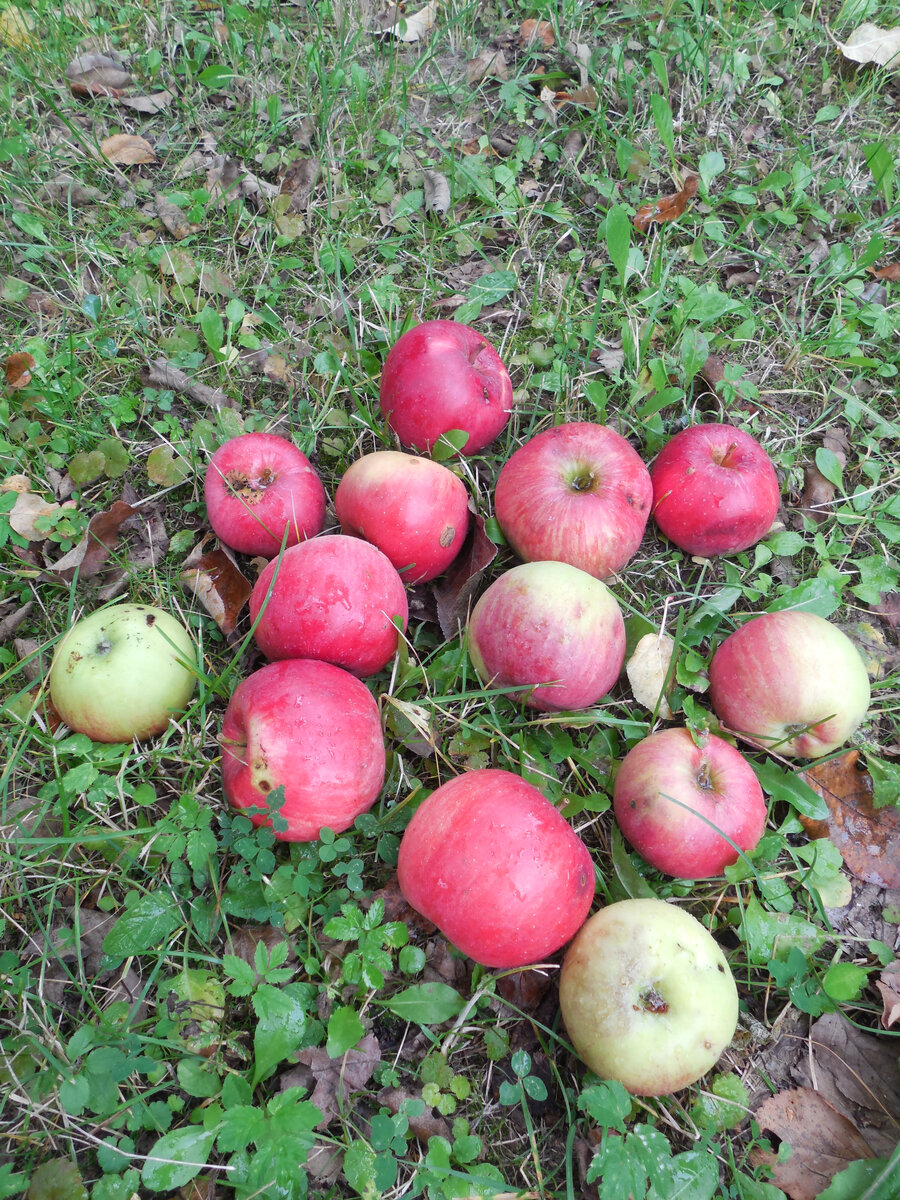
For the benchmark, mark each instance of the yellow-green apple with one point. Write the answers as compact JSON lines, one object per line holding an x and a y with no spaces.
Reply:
{"x":334,"y":597}
{"x":715,"y":490}
{"x":258,"y":486}
{"x":790,"y":681}
{"x":684,"y":805}
{"x":413,"y":509}
{"x":443,"y":375}
{"x":551,"y":631}
{"x":312,"y":729}
{"x":647,"y":996}
{"x":578,"y":493}
{"x":123,"y":672}
{"x":497,"y":868}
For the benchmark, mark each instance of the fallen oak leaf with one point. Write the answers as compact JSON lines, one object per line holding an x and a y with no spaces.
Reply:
{"x":868,"y":838}
{"x":127,"y":149}
{"x":667,"y":208}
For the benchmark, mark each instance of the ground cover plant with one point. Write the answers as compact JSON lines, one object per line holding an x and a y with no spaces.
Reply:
{"x":217,"y":219}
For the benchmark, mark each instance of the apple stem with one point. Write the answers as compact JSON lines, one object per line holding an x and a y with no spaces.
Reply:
{"x":723,"y":461}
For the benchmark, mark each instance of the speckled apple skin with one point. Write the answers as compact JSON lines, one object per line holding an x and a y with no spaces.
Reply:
{"x":497,"y":868}
{"x":666,"y":786}
{"x":791,"y":681}
{"x":647,"y":997}
{"x":715,"y":490}
{"x":333,"y":598}
{"x":578,"y":493}
{"x":315,"y":730}
{"x":547,"y":623}
{"x":444,"y":375}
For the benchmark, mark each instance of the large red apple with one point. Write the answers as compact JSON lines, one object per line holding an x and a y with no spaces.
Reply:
{"x":647,"y":996}
{"x":336,"y":598}
{"x":497,"y":868}
{"x":257,"y":486}
{"x":312,"y":729}
{"x":413,"y":509}
{"x":792,"y":682}
{"x":442,"y":375}
{"x":684,"y":806}
{"x":715,"y":490}
{"x":577,"y":493}
{"x":552,"y":631}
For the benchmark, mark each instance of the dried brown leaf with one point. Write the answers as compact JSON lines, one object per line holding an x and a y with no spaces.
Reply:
{"x":66,"y":190}
{"x":890,"y":272}
{"x":489,"y":64}
{"x":889,"y":609}
{"x":245,"y":939}
{"x":456,"y":588}
{"x":437,"y":192}
{"x":218,"y":584}
{"x":396,"y":908}
{"x":29,"y":506}
{"x":162,"y":374}
{"x":299,"y":182}
{"x":412,"y":27}
{"x":12,"y":621}
{"x":127,"y":149}
{"x":822,"y":1140}
{"x":668,"y":208}
{"x":17,"y":369}
{"x":524,"y":990}
{"x":337,"y":1078}
{"x":91,"y":553}
{"x":532,"y":32}
{"x":173,"y":218}
{"x":429,"y":1124}
{"x":156,"y":103}
{"x":647,"y":670}
{"x":97,"y":74}
{"x":868,"y":838}
{"x":888,"y":984}
{"x":214,"y":281}
{"x":871,"y":44}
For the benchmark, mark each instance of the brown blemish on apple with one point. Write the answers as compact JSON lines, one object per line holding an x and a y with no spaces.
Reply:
{"x":248,"y":489}
{"x":651,"y":1001}
{"x":150,"y":619}
{"x":264,"y":785}
{"x":448,"y":533}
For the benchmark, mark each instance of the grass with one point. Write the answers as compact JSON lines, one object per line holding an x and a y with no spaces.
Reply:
{"x":161,"y":963}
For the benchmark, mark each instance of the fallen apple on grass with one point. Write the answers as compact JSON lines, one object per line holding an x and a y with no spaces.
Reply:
{"x":674,"y":799}
{"x":497,"y":868}
{"x":413,"y":509}
{"x":791,"y":682}
{"x":312,"y":729}
{"x":577,"y":493}
{"x":555,"y":633}
{"x":442,"y":376}
{"x":715,"y":490}
{"x":259,"y":486}
{"x":123,"y":672}
{"x":334,"y":598}
{"x":647,"y":996}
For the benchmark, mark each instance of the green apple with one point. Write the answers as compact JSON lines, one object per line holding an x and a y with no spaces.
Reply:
{"x":647,"y":996}
{"x":121,"y":673}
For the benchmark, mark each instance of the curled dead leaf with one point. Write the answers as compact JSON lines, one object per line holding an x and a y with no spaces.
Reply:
{"x":219,"y":585}
{"x":16,"y":28}
{"x":413,"y":27}
{"x":647,"y":670}
{"x":91,"y":553}
{"x":66,"y":190}
{"x":888,"y":985}
{"x":868,"y":838}
{"x":336,"y":1078}
{"x":127,"y":149}
{"x":173,"y":218}
{"x":437,"y":192}
{"x":532,"y":32}
{"x":97,"y":75}
{"x":489,"y":64}
{"x":667,"y":208}
{"x":871,"y":44}
{"x":156,"y":103}
{"x":299,"y":183}
{"x":891,"y":272}
{"x":17,"y":369}
{"x":455,"y":589}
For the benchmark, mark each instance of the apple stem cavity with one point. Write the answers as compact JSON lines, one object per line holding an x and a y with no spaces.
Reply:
{"x":651,"y":1001}
{"x":584,"y":481}
{"x":704,"y":776}
{"x":104,"y":646}
{"x":722,"y":459}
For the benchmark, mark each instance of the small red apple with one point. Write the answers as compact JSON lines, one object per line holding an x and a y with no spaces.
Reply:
{"x":413,"y":509}
{"x":334,"y":598}
{"x":674,"y":800}
{"x":792,"y":682}
{"x":548,"y":624}
{"x":715,"y":490}
{"x":497,"y":868}
{"x":257,"y":486}
{"x":577,"y":493}
{"x":442,"y":375}
{"x":308,"y":727}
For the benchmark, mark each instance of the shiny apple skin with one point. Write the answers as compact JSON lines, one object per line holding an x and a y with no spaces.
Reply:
{"x":311,"y":728}
{"x":497,"y":868}
{"x":715,"y":490}
{"x":333,"y":598}
{"x":413,"y":509}
{"x":667,"y":785}
{"x":577,"y":493}
{"x":647,"y":997}
{"x":547,"y":623}
{"x":790,"y":681}
{"x":442,"y":375}
{"x":258,"y":486}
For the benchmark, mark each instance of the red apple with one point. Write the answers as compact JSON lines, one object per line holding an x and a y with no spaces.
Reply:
{"x":577,"y":493}
{"x":715,"y":490}
{"x":792,"y":682}
{"x":440,"y":376}
{"x":312,"y":729}
{"x":413,"y":509}
{"x":548,"y":624}
{"x":334,"y":598}
{"x":674,"y":800}
{"x":257,"y":486}
{"x":497,"y":868}
{"x":647,"y":997}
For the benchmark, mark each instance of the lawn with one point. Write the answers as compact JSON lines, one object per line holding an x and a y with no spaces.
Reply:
{"x":217,"y":219}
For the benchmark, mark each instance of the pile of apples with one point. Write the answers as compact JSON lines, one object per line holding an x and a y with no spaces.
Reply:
{"x":646,"y":994}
